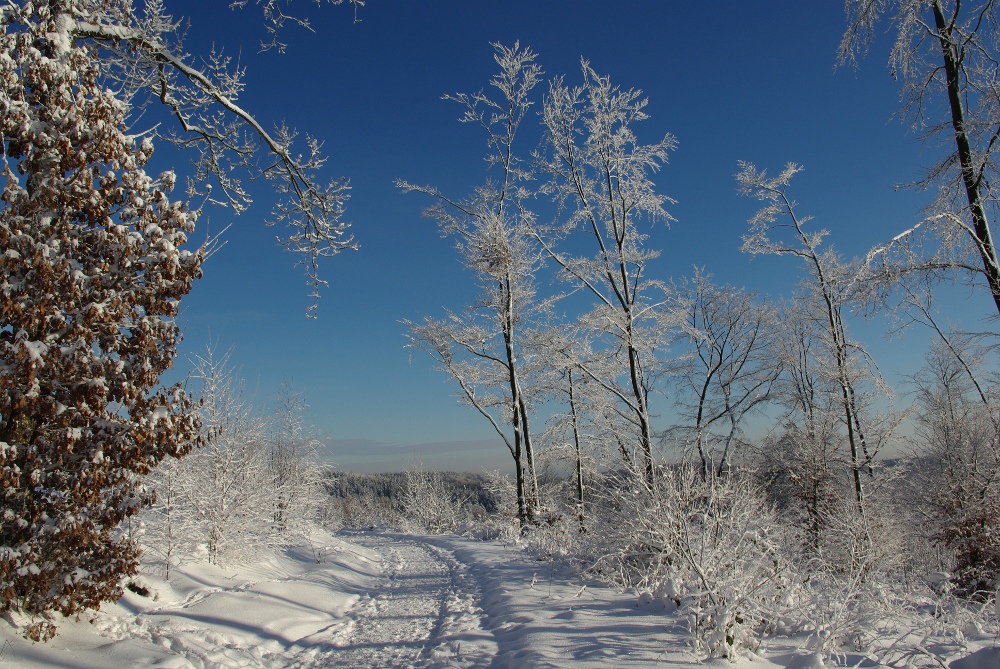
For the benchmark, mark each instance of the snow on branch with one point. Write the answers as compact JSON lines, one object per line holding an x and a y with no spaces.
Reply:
{"x":146,"y":54}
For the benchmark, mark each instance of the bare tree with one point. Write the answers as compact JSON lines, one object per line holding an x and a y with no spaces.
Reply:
{"x":833,"y":284}
{"x":293,"y":463}
{"x":946,"y":53}
{"x":958,"y":469}
{"x":573,"y":432}
{"x":730,"y":368}
{"x":572,"y":422}
{"x":140,"y":55}
{"x":804,"y":459}
{"x":599,"y":176}
{"x":483,"y":348}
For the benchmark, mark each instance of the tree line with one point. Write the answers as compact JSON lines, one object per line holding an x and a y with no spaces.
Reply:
{"x":570,"y":335}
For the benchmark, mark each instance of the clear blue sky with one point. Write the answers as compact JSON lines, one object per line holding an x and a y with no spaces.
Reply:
{"x":731,"y":80}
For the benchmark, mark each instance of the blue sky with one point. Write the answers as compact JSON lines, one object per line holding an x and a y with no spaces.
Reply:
{"x":731,"y":80}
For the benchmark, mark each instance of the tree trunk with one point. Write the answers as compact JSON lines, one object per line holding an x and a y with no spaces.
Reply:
{"x":973,"y":184}
{"x":579,"y":457}
{"x":642,"y":413}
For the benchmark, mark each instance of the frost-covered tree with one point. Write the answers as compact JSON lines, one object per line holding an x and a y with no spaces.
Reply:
{"x":293,"y":463}
{"x":482,"y":347}
{"x":804,"y":461}
{"x":164,"y":522}
{"x":830,"y":290}
{"x":225,"y":501}
{"x":946,"y":54}
{"x":254,"y":483}
{"x":91,"y":274}
{"x":586,"y":430}
{"x":599,"y":176}
{"x":277,"y":13}
{"x":568,"y":431}
{"x":728,"y":366}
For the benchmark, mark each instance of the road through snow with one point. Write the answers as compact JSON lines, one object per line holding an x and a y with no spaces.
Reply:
{"x":384,"y":600}
{"x":422,"y":611}
{"x":445,"y":601}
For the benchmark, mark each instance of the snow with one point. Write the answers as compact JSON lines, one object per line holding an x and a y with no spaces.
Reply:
{"x":390,"y":600}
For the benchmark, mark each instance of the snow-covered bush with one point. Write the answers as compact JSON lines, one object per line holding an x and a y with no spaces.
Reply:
{"x":428,"y":504}
{"x":851,"y":592}
{"x":223,"y":503}
{"x":293,"y":467}
{"x":502,"y":523}
{"x":926,"y":629}
{"x":715,"y":547}
{"x":555,"y":533}
{"x":254,"y":484}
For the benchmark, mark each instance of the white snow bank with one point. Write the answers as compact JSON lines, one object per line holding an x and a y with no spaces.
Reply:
{"x":267,"y":615}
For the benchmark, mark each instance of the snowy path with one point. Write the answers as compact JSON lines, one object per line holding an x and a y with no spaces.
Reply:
{"x":389,"y":601}
{"x":423,"y":611}
{"x":446,"y":601}
{"x":376,"y":600}
{"x":544,"y":617}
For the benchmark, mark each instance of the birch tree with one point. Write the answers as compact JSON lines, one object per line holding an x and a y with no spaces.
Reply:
{"x":599,"y":176}
{"x":482,"y":348}
{"x":946,"y":54}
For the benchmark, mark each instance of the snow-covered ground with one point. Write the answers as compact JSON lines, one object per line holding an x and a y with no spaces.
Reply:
{"x":388,"y":600}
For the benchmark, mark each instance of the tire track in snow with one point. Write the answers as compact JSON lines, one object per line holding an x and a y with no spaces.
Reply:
{"x":424,"y":612}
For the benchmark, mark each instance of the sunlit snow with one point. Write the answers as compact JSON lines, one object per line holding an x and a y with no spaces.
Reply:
{"x":389,"y":600}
